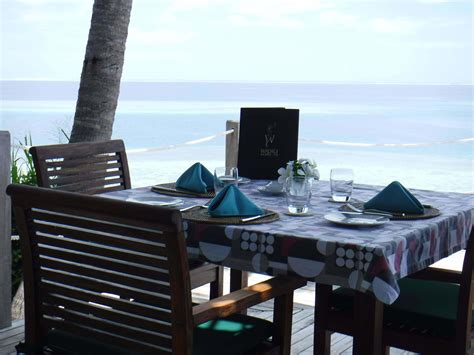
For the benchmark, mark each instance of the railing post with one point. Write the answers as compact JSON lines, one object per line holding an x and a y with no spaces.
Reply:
{"x":5,"y":233}
{"x":231,"y":143}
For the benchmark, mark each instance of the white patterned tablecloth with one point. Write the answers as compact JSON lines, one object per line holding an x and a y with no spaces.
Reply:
{"x":365,"y":259}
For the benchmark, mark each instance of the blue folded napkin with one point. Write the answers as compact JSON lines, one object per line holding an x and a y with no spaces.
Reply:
{"x":231,"y":202}
{"x":395,"y":198}
{"x":197,"y":179}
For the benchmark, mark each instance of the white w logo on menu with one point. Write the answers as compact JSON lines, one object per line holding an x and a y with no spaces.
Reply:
{"x":270,"y":134}
{"x":269,"y":140}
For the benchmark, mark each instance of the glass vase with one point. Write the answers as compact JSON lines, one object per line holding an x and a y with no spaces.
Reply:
{"x":298,"y":194}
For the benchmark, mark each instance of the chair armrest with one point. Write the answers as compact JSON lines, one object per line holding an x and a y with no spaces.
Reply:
{"x":435,"y":274}
{"x":247,"y":297}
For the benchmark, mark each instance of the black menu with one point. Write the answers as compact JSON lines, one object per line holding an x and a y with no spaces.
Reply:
{"x":268,"y":140}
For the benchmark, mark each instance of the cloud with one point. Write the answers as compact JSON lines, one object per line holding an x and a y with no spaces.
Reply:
{"x":443,"y":1}
{"x":264,"y":21}
{"x":433,"y":44}
{"x":50,"y":2}
{"x":52,"y":11}
{"x":395,"y":26}
{"x":195,"y":4}
{"x":276,"y":13}
{"x":157,"y":37}
{"x":334,"y":18}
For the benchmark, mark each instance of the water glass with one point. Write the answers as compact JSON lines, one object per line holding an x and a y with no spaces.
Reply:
{"x":298,"y":194}
{"x":224,"y":176}
{"x":341,"y":184}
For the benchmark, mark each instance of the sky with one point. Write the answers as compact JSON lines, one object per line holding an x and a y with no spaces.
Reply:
{"x":350,"y":41}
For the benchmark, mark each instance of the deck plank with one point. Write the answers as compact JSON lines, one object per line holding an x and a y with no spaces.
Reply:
{"x":11,"y":336}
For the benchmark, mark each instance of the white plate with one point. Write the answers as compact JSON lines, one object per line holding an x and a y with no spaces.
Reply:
{"x":243,"y":180}
{"x":265,"y":191}
{"x":157,"y":200}
{"x":355,"y":219}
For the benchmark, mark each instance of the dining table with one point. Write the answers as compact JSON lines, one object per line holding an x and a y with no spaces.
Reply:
{"x":367,"y":259}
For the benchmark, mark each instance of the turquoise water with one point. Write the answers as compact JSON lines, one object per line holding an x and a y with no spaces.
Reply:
{"x":355,"y":114}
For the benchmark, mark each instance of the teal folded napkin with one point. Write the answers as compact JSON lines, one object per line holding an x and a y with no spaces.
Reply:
{"x":395,"y":198}
{"x":197,"y":179}
{"x":231,"y":202}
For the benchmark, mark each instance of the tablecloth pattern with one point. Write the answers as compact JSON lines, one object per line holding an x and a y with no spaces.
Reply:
{"x":357,"y":257}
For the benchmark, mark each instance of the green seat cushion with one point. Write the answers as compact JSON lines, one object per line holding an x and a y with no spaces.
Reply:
{"x":427,"y":305}
{"x":421,"y":304}
{"x":429,"y":298}
{"x":232,"y":335}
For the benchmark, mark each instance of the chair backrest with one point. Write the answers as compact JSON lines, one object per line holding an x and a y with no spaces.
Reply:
{"x":90,"y":167}
{"x":111,"y":271}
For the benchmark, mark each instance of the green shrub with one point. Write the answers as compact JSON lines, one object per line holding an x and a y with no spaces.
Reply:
{"x":22,"y":172}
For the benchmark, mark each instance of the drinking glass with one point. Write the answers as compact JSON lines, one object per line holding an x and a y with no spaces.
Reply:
{"x":298,"y":194}
{"x":341,"y":184}
{"x":224,"y":176}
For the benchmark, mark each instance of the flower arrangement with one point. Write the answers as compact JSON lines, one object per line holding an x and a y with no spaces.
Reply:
{"x":299,"y":168}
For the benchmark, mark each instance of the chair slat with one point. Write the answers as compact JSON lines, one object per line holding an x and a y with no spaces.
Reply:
{"x":87,"y":283}
{"x":125,"y":305}
{"x":110,"y":264}
{"x":90,"y":220}
{"x":111,"y":276}
{"x":80,"y":168}
{"x":58,"y":160}
{"x":101,"y":250}
{"x":116,"y":241}
{"x":86,"y":175}
{"x":90,"y":187}
{"x":124,"y":230}
{"x":108,"y":314}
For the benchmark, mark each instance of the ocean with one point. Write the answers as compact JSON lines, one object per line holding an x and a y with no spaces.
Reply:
{"x":154,"y":116}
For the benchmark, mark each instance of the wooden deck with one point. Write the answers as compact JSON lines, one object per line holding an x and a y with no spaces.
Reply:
{"x":302,"y":338}
{"x":302,"y":332}
{"x":11,"y":336}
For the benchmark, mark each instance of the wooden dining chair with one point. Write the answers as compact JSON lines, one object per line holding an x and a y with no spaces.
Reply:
{"x":431,"y":316}
{"x":99,"y":167}
{"x":89,"y":167}
{"x":80,"y":251}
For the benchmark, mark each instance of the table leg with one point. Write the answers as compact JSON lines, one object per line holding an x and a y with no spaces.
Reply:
{"x":321,"y":336}
{"x":368,"y":318}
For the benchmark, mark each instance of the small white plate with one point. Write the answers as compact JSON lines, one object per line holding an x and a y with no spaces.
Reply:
{"x":306,"y":214}
{"x":354,"y":219}
{"x":243,"y":180}
{"x":157,"y":200}
{"x":265,"y":191}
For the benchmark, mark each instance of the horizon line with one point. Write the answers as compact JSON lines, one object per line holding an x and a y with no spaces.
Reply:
{"x":248,"y":82}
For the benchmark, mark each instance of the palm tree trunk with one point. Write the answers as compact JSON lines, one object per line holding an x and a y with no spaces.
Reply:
{"x":18,"y":304}
{"x":101,"y":71}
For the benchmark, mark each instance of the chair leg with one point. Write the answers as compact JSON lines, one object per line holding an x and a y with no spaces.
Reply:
{"x":238,"y":280}
{"x":368,"y":324}
{"x":217,"y":287}
{"x":282,"y":322}
{"x":322,"y":336}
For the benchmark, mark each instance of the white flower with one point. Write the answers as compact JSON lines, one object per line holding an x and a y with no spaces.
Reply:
{"x":301,"y":167}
